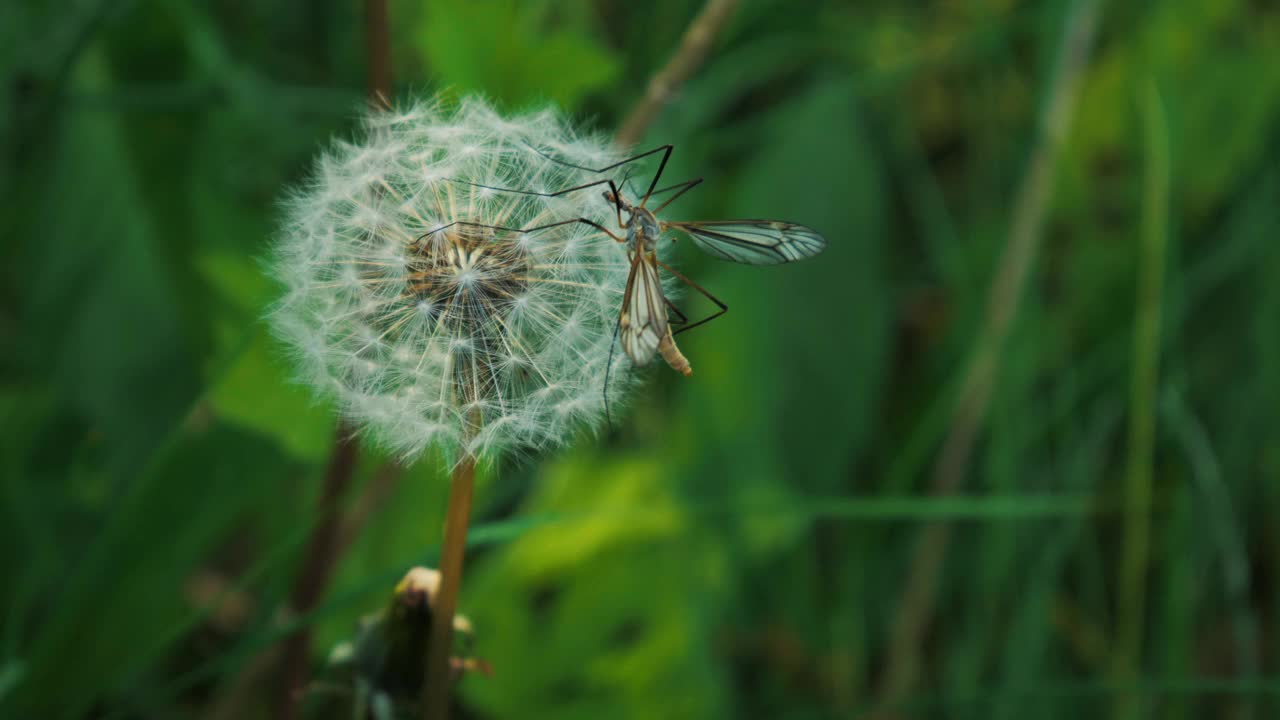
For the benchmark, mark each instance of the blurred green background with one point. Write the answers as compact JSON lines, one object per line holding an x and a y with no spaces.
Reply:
{"x":746,"y":541}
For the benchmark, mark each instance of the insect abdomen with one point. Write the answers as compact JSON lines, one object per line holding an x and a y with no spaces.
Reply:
{"x":673,"y":356}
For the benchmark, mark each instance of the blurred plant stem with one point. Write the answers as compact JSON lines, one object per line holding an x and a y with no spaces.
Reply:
{"x":377,"y":35}
{"x":239,"y":693}
{"x":1135,"y":559}
{"x":693,"y":50}
{"x":317,"y":568}
{"x":1004,"y":297}
{"x":436,"y":687}
{"x":330,"y":531}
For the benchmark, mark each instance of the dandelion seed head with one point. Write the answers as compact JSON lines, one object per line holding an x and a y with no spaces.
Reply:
{"x":430,"y":327}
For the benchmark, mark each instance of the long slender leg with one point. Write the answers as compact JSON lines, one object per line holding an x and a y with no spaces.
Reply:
{"x":723,"y":308}
{"x":664,"y":149}
{"x":608,"y":369}
{"x":681,"y":318}
{"x":613,"y":189}
{"x":684,"y":187}
{"x":626,"y":306}
{"x":584,"y":221}
{"x":620,"y":163}
{"x":654,"y":183}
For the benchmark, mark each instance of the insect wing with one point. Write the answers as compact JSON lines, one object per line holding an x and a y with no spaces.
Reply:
{"x":644,"y":314}
{"x":755,"y":242}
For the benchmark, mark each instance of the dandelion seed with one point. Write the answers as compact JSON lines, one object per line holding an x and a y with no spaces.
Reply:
{"x":471,"y":340}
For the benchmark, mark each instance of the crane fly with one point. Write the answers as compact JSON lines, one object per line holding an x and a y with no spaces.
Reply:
{"x":644,"y":326}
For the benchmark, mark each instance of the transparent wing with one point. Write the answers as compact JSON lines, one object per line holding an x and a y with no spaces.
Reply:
{"x":644,"y":314}
{"x":754,"y":242}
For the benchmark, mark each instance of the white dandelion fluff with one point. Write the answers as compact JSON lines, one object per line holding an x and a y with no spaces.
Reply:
{"x":472,"y":339}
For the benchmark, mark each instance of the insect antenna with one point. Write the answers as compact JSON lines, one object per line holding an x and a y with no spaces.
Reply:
{"x":626,"y":180}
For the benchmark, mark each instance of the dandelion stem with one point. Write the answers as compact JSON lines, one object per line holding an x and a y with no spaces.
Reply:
{"x":436,"y":688}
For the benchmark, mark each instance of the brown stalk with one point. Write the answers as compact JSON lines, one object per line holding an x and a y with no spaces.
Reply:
{"x":693,"y":50}
{"x":317,"y":567}
{"x":239,"y":692}
{"x":377,"y":37}
{"x":438,"y":681}
{"x":328,"y":535}
{"x":915,"y":612}
{"x":373,"y":496}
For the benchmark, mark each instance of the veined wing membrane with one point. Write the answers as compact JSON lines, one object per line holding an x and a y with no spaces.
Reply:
{"x":644,"y":313}
{"x":754,"y":242}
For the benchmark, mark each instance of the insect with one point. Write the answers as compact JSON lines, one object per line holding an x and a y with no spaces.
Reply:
{"x":644,"y":325}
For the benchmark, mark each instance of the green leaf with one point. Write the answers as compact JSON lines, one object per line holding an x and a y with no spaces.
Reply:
{"x":110,"y":615}
{"x":795,"y":367}
{"x":515,"y":51}
{"x":258,"y":392}
{"x":100,"y":312}
{"x":597,"y":615}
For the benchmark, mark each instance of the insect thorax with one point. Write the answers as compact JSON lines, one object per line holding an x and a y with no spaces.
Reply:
{"x":642,"y":230}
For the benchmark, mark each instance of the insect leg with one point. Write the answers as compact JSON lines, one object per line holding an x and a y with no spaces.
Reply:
{"x":723,"y":308}
{"x":654,"y":183}
{"x":608,"y":369}
{"x":606,"y":168}
{"x":681,"y":318}
{"x":613,"y":188}
{"x":664,"y":149}
{"x":584,"y":221}
{"x":683,"y":187}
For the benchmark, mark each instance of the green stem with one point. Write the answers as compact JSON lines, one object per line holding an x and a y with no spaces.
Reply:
{"x":1142,"y":405}
{"x":1004,"y":298}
